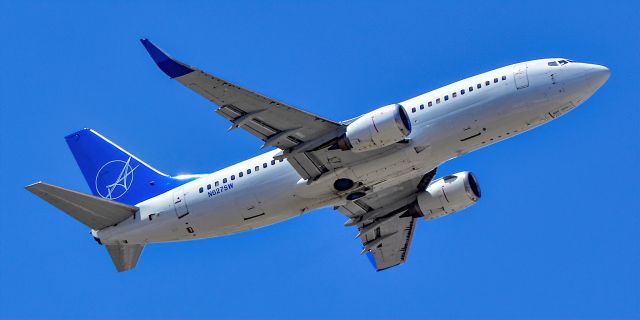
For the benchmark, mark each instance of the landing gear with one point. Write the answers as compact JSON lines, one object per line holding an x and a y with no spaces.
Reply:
{"x":355,"y":195}
{"x":343,"y":184}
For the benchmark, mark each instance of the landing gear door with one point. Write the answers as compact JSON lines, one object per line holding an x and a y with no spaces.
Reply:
{"x":520,"y":76}
{"x":180,"y":203}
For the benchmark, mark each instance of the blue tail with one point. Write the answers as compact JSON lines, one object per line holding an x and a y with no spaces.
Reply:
{"x":115,"y":174}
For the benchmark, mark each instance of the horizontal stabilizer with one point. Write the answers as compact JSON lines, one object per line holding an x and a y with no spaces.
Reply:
{"x":125,"y":256}
{"x":95,"y":212}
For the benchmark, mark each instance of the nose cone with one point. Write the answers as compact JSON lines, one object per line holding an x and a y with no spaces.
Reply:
{"x":596,"y":75}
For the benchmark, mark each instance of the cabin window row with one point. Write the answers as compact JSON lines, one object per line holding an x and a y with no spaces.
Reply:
{"x":455,"y":94}
{"x":240,"y":175}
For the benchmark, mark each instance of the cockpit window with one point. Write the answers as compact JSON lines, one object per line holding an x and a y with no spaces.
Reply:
{"x":559,"y":62}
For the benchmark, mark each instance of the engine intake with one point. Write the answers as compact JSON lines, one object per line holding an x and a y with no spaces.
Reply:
{"x":376,"y":129}
{"x":448,"y":195}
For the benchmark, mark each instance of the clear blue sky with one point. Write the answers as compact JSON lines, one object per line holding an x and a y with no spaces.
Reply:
{"x":555,"y":235}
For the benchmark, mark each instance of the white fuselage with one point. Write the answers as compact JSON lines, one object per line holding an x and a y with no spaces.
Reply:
{"x":524,"y":96}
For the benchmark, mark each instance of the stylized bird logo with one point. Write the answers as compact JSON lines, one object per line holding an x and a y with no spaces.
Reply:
{"x":121,"y":183}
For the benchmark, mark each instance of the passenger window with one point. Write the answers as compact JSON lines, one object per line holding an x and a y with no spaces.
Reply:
{"x":264,"y":165}
{"x":422,"y":107}
{"x":413,"y":110}
{"x":479,"y":86}
{"x":273,"y":162}
{"x":453,"y":95}
{"x":224,"y":180}
{"x":504,"y":77}
{"x":201,"y":189}
{"x":495,"y":80}
{"x":430,"y":103}
{"x":208,"y":187}
{"x":462,"y":92}
{"x":248,"y":171}
{"x":233,"y":177}
{"x":240,"y":174}
{"x":470,"y":89}
{"x":256,"y":168}
{"x":486,"y":83}
{"x":446,"y":98}
{"x":217,"y":183}
{"x":438,"y":100}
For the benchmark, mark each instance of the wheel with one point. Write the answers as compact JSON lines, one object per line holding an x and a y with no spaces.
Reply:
{"x":355,"y":195}
{"x":343,"y":184}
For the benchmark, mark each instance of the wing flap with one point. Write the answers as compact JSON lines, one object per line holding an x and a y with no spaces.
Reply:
{"x":396,"y":235}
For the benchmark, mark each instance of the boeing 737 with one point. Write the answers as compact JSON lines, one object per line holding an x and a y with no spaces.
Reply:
{"x":377,"y":169}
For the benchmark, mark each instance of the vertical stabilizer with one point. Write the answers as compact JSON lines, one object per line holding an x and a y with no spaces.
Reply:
{"x":115,"y":174}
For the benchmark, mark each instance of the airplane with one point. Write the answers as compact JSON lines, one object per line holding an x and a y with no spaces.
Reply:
{"x":377,"y":169}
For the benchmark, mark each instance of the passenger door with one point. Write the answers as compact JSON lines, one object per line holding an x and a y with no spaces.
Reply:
{"x":520,"y":76}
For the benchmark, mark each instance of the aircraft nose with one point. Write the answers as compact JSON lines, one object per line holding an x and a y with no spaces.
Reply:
{"x":596,"y":75}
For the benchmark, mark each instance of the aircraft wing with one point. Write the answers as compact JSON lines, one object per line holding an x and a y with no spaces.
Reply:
{"x":276,"y":123}
{"x":386,"y":222}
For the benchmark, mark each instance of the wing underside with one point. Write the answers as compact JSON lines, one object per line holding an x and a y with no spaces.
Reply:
{"x":394,"y":249}
{"x":386,"y":221}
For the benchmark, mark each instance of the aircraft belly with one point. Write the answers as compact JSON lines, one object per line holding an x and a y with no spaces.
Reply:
{"x":256,"y":201}
{"x":392,"y":164}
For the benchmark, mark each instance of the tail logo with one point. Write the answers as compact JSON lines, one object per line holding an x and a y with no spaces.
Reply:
{"x":115,"y":178}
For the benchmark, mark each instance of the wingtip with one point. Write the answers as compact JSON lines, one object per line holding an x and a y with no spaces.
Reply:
{"x":32,"y":186}
{"x":168,"y":65}
{"x":154,"y":51}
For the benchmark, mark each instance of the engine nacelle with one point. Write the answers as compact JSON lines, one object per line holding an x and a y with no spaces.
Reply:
{"x":448,"y":195}
{"x":376,"y":129}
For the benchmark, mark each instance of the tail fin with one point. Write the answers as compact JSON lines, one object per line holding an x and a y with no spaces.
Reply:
{"x":125,"y":256}
{"x":115,"y":174}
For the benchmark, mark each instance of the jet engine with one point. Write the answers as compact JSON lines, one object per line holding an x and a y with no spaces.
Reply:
{"x":448,"y":195}
{"x":376,"y":129}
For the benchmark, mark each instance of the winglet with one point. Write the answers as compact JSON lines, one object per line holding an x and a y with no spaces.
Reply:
{"x":168,"y":65}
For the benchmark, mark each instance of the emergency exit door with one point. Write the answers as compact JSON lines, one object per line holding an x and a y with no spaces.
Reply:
{"x":180,"y":203}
